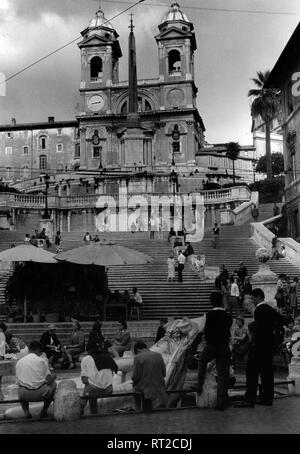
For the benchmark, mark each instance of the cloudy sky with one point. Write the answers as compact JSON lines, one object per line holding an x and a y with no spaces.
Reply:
{"x":232,"y":46}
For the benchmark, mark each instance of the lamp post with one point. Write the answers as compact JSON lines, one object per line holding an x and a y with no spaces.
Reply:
{"x":46,"y":178}
{"x":100,"y":154}
{"x":254,"y":165}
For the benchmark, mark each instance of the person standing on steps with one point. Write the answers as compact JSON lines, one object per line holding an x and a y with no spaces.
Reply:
{"x":261,"y":351}
{"x":216,"y":234}
{"x":217,"y":335}
{"x":255,"y":213}
{"x":171,"y":267}
{"x":181,"y":263}
{"x":234,"y":296}
{"x":276,"y":209}
{"x":57,"y":241}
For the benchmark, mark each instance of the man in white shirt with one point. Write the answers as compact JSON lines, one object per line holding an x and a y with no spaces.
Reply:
{"x":136,"y":296}
{"x":35,"y":381}
{"x":234,"y":297}
{"x":181,"y":263}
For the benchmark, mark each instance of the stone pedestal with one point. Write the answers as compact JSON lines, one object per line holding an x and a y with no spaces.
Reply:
{"x":4,"y":222}
{"x":208,"y":397}
{"x":67,"y":405}
{"x":267,"y":281}
{"x":134,"y":140}
{"x":294,"y":374}
{"x":47,"y":224}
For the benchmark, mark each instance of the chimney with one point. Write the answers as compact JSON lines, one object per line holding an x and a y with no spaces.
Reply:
{"x":13,"y":122}
{"x":51,"y":119}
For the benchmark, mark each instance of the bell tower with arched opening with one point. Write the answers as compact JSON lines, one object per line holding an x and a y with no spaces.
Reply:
{"x":100,"y":53}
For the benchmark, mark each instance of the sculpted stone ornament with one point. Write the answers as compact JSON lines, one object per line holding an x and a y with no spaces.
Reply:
{"x":67,"y":405}
{"x":265,"y":278}
{"x":294,"y":367}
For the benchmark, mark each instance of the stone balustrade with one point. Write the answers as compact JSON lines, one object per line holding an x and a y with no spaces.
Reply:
{"x":11,"y":200}
{"x":263,"y":237}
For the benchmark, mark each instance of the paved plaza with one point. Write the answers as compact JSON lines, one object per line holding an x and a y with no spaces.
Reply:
{"x":282,"y":418}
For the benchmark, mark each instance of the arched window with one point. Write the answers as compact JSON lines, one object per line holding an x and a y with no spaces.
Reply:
{"x":174,"y":63}
{"x":96,"y":68}
{"x":124,"y":108}
{"x":143,"y":106}
{"x":43,"y":162}
{"x":147,"y":106}
{"x":42,"y":142}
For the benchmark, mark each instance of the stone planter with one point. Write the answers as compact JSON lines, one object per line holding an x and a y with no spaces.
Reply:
{"x":52,"y":317}
{"x":267,"y":281}
{"x":67,"y":405}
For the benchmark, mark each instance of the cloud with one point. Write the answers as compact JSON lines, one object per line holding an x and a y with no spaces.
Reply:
{"x":231,"y":48}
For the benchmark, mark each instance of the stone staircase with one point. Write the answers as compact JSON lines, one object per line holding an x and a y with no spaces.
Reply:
{"x":166,"y":299}
{"x":144,"y":329}
{"x":266,"y":211}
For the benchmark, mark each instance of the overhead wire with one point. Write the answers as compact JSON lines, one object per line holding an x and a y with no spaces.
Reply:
{"x":204,"y":8}
{"x":65,"y":45}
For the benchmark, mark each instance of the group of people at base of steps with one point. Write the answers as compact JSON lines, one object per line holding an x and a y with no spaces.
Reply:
{"x":220,"y":339}
{"x":40,"y":239}
{"x":88,"y":239}
{"x":182,"y":250}
{"x":133,"y":300}
{"x":37,"y":382}
{"x":286,"y":295}
{"x":235,"y":288}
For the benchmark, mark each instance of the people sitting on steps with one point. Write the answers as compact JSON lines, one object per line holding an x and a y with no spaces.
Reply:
{"x":76,"y":346}
{"x":122,"y":342}
{"x":51,"y":345}
{"x":97,"y":369}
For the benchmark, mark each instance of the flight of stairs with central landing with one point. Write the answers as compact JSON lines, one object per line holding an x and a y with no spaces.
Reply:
{"x":162,"y":298}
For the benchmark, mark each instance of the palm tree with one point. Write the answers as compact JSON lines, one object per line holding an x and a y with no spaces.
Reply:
{"x":265,"y":104}
{"x":233,"y":151}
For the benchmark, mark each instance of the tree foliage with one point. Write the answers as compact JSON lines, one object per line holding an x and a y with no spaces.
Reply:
{"x":265,"y":104}
{"x":277,"y":164}
{"x":232,"y":152}
{"x":269,"y":190}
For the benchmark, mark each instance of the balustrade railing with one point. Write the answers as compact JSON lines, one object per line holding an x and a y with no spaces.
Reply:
{"x":238,"y":193}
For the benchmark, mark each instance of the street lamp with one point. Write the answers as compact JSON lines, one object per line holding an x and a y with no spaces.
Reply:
{"x":254,"y":162}
{"x":100,"y":154}
{"x":46,"y":178}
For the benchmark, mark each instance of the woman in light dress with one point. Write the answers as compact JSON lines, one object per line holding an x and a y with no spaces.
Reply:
{"x":2,"y":340}
{"x":171,"y":267}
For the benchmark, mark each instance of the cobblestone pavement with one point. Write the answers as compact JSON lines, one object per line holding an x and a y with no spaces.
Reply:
{"x":282,"y":418}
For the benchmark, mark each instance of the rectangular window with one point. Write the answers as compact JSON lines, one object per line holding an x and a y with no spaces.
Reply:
{"x":8,"y":172}
{"x":210,"y":160}
{"x":96,"y":152}
{"x":10,"y":135}
{"x":25,"y":150}
{"x":8,"y":150}
{"x":59,"y":147}
{"x":77,"y":150}
{"x":59,"y":132}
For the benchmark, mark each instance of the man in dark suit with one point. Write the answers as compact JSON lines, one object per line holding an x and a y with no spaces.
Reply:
{"x":51,"y":345}
{"x":149,"y":371}
{"x":261,"y":352}
{"x":217,"y":336}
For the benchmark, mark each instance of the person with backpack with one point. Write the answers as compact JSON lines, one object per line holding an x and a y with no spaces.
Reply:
{"x":266,"y":337}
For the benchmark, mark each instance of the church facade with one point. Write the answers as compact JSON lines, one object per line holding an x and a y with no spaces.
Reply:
{"x":170,"y":129}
